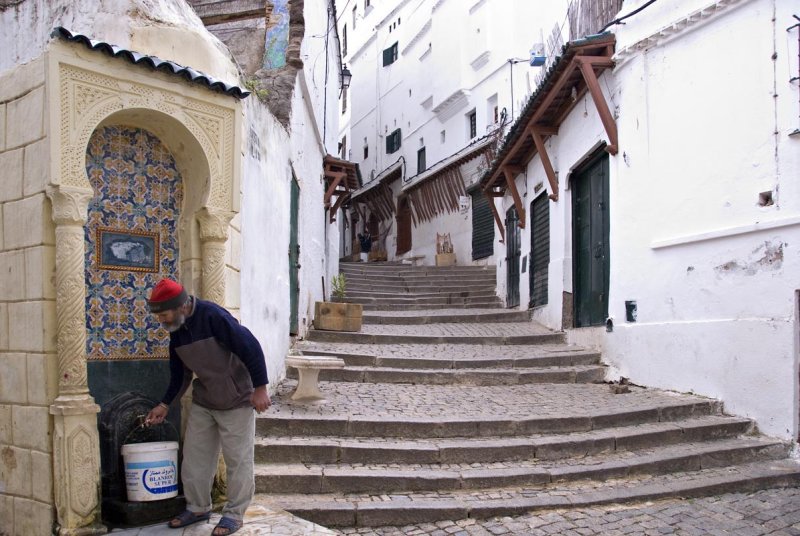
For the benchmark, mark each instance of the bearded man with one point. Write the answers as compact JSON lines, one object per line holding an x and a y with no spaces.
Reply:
{"x":230,"y":382}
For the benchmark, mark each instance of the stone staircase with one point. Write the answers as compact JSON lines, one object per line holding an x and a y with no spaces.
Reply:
{"x":450,"y":408}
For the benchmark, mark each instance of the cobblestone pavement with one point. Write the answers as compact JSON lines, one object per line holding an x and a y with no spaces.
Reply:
{"x":775,"y":512}
{"x":445,"y":352}
{"x":498,"y":329}
{"x":376,"y":400}
{"x":258,"y":521}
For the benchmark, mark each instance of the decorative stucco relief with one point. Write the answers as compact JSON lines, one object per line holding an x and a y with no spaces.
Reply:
{"x":87,"y":98}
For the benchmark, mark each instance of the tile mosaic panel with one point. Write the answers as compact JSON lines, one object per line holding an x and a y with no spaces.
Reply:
{"x":138,"y":192}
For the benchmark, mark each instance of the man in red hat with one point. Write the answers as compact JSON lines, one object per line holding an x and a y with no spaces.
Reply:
{"x":230,"y":381}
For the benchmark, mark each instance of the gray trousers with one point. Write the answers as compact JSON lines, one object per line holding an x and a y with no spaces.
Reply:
{"x":207,"y":431}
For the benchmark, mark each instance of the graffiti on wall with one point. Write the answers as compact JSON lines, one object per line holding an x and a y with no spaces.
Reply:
{"x":277,"y":36}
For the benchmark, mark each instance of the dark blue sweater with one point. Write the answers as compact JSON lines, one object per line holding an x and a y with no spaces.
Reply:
{"x":224,"y":355}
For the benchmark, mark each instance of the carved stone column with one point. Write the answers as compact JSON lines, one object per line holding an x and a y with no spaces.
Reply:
{"x":213,"y":236}
{"x":76,"y":442}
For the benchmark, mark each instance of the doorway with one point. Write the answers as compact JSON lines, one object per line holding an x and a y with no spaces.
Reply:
{"x":540,"y":251}
{"x":513,"y":236}
{"x":590,"y":239}
{"x":403,"y":225}
{"x":294,"y":257}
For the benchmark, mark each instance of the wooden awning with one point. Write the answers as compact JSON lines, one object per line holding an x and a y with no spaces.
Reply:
{"x":377,"y":196}
{"x":570,"y":77}
{"x":437,"y":190}
{"x":341,"y":180}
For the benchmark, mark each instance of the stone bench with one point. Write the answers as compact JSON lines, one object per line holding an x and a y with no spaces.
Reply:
{"x":308,"y":367}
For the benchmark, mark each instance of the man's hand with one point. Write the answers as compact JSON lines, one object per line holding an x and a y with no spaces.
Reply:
{"x":157,"y":415}
{"x":260,"y":399}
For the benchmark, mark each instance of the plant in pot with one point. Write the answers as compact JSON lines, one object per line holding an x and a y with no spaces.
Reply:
{"x":338,"y":315}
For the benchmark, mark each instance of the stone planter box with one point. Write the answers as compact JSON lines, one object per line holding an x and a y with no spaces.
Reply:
{"x":332,"y":316}
{"x":445,"y":259}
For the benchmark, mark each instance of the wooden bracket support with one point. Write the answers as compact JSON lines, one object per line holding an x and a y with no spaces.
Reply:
{"x":537,"y":134}
{"x":510,"y":173}
{"x":586,"y":65}
{"x":337,"y":178}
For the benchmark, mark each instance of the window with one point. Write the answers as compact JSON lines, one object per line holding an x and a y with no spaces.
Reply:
{"x":344,"y":100}
{"x":390,"y":55}
{"x":344,"y":40}
{"x":472,"y":124}
{"x":442,"y":136}
{"x":354,"y":17}
{"x":366,"y":151}
{"x":366,"y":4}
{"x":421,"y":160}
{"x":393,"y":142}
{"x":492,"y":110}
{"x":343,"y":147}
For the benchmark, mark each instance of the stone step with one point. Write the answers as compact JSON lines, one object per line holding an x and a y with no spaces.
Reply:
{"x":397,"y":478}
{"x":408,"y":289}
{"x":370,"y":374}
{"x":387,"y":338}
{"x":378,"y":268}
{"x":351,"y":295}
{"x":366,"y":450}
{"x":449,"y":301}
{"x":431,"y":317}
{"x":434,"y":420}
{"x":421,"y":281}
{"x":494,"y":303}
{"x":451,"y":356}
{"x":374,"y":510}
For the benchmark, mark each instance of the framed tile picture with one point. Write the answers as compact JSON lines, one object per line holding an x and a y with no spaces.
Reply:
{"x":118,"y":249}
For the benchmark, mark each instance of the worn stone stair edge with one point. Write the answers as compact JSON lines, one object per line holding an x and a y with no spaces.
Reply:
{"x":346,"y":478}
{"x":321,"y":449}
{"x":384,"y":426}
{"x":521,"y":316}
{"x":354,"y":512}
{"x":374,"y":338}
{"x":511,"y":363}
{"x":482,"y":377}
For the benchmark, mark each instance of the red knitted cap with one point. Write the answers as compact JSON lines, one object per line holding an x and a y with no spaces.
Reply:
{"x":166,"y":295}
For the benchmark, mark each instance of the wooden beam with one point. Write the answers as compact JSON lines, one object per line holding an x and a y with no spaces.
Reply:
{"x":339,"y":200}
{"x":512,"y":185}
{"x":497,"y":219}
{"x":546,"y":130}
{"x":587,"y":70}
{"x":337,"y":178}
{"x":546,"y":164}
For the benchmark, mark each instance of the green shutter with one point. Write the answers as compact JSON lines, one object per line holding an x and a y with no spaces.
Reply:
{"x":482,"y":226}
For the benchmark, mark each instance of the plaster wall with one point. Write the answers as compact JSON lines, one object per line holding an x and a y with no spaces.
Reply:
{"x":713,"y":272}
{"x":28,"y":359}
{"x":711,"y":269}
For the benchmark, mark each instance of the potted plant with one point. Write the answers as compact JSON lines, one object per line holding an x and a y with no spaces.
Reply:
{"x":338,"y":315}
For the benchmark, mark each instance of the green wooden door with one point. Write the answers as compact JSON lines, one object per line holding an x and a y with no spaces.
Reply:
{"x":294,"y":257}
{"x":512,"y":257}
{"x":590,"y":225}
{"x":540,"y":251}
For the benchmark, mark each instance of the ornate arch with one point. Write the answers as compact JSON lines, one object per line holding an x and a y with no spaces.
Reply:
{"x":84,"y":91}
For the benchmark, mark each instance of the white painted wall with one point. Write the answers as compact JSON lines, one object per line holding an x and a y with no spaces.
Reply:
{"x":714,"y":274}
{"x":434,"y":63}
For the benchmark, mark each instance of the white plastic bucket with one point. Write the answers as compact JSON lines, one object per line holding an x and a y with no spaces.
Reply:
{"x":151,"y":470}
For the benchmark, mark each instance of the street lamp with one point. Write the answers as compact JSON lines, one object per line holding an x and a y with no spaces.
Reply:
{"x":344,"y":77}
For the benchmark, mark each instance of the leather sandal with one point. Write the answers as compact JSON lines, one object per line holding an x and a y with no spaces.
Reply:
{"x":227,"y":525}
{"x":187,"y":518}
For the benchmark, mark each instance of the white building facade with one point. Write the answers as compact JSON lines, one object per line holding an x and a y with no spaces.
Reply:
{"x":680,"y":266}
